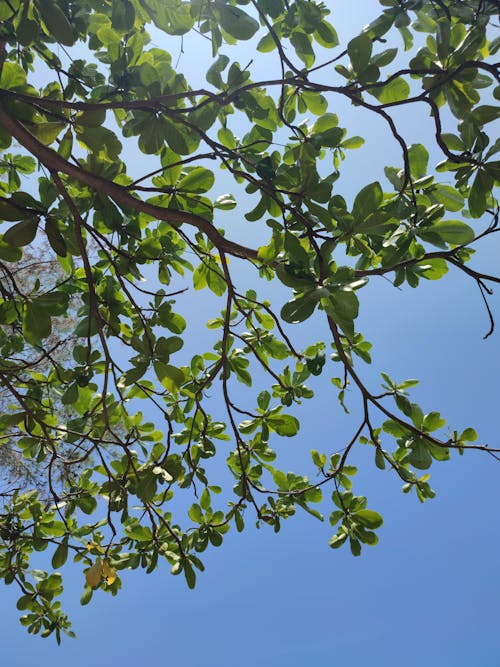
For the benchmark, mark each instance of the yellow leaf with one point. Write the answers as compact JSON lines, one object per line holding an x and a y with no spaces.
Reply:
{"x":94,"y":574}
{"x":93,"y":545}
{"x":108,"y":572}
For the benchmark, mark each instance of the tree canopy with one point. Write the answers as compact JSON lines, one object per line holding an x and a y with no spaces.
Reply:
{"x":169,"y":437}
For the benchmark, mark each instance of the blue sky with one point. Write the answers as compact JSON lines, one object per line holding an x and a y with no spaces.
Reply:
{"x":427,"y":594}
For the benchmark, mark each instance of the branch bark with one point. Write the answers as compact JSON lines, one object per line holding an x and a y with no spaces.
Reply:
{"x":55,"y":163}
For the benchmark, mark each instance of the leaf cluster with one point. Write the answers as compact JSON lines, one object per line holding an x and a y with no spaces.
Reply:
{"x":130,"y":415}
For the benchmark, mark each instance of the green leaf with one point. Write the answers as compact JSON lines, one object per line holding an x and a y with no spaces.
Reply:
{"x":385,"y":57}
{"x":200,"y":276}
{"x":198,"y":179}
{"x":174,"y":17}
{"x":205,"y":499}
{"x":324,"y":123}
{"x":478,"y":195}
{"x":227,"y":138}
{"x":284,"y":425}
{"x":27,"y":30}
{"x":9,"y":213}
{"x":25,"y":602}
{"x":134,"y":374}
{"x":87,"y":596}
{"x":213,"y":75}
{"x":179,"y":140}
{"x":493,"y":170}
{"x":298,"y":309}
{"x":281,"y":480}
{"x":326,"y":35}
{"x":60,"y":555}
{"x":265,"y":168}
{"x":167,"y":346}
{"x":296,"y":251}
{"x":9,"y":253}
{"x":12,"y":75}
{"x":54,"y":303}
{"x":453,"y":142}
{"x":152,"y":138}
{"x":266,"y":44}
{"x":23,"y":233}
{"x":453,"y":231}
{"x":359,"y":50}
{"x":173,"y":321}
{"x":100,"y":140}
{"x":419,"y":158}
{"x":70,"y":396}
{"x":239,"y":522}
{"x":344,"y":308}
{"x":379,"y":459}
{"x":367,"y":537}
{"x":396,"y":90}
{"x":433,"y":269}
{"x":337,"y":540}
{"x":353,"y":142}
{"x":36,"y":323}
{"x":138,"y":532}
{"x":47,"y":132}
{"x":172,"y":378}
{"x":449,"y":197}
{"x":469,"y":435}
{"x":420,"y":457}
{"x":485,"y":114}
{"x":25,"y":164}
{"x":55,"y":238}
{"x":315,"y":102}
{"x":66,"y":145}
{"x":248,"y":425}
{"x":236,"y":22}
{"x":86,"y":327}
{"x":432,"y":422}
{"x":225,"y":202}
{"x":215,"y":279}
{"x":302,"y":45}
{"x":146,"y":486}
{"x":368,"y":518}
{"x":122,"y":15}
{"x":355,"y":546}
{"x":56,"y":21}
{"x":367,"y":201}
{"x":195,"y":513}
{"x":190,"y":574}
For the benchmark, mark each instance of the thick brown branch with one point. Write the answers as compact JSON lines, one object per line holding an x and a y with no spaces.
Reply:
{"x":54,"y":162}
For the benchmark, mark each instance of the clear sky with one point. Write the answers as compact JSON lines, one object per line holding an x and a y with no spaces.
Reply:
{"x":428,"y":593}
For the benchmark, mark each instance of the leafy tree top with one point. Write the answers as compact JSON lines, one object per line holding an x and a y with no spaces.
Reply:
{"x":130,"y":418}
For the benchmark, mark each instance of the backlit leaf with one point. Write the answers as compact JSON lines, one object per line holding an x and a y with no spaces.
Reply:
{"x":453,"y":231}
{"x":360,"y":50}
{"x":236,"y":22}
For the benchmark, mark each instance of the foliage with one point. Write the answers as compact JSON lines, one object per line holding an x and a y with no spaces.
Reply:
{"x":38,"y":269}
{"x":140,"y":488}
